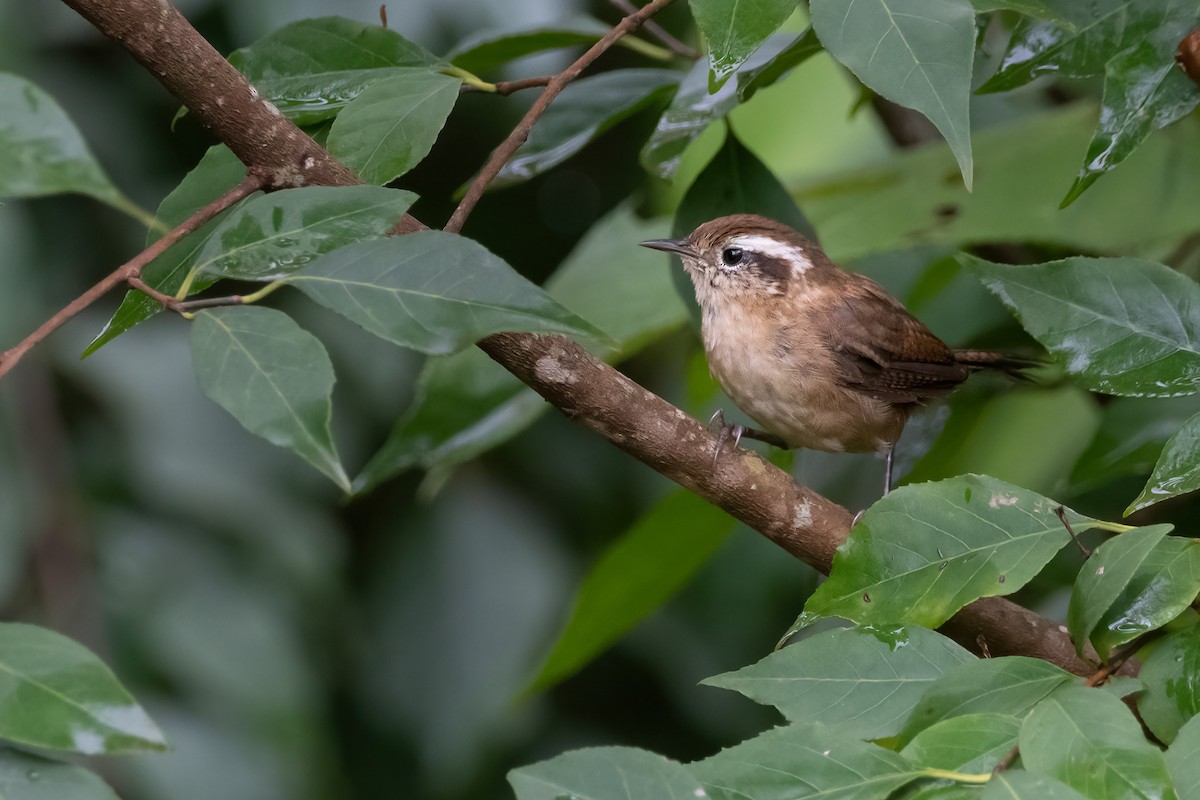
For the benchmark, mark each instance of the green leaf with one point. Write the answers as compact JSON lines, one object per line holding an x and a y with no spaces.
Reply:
{"x":1162,"y":588}
{"x":1130,"y":438}
{"x":923,"y":552}
{"x":605,"y":773}
{"x":58,"y":696}
{"x":327,"y":44}
{"x":1171,"y":674}
{"x":1144,"y":90}
{"x":218,"y":171}
{"x":467,"y":403}
{"x":41,"y":150}
{"x":1103,"y":580}
{"x":273,"y":377}
{"x":1017,"y":784}
{"x":1177,"y":471}
{"x":1032,"y":8}
{"x":735,"y":31}
{"x":310,"y":99}
{"x":917,"y":53}
{"x":1009,"y":685}
{"x":802,"y":761}
{"x":765,"y":72}
{"x":432,"y":291}
{"x":633,"y":577}
{"x":584,"y":110}
{"x":1090,"y":741}
{"x":28,"y":777}
{"x":1123,"y":326}
{"x":1183,"y":760}
{"x":275,"y":234}
{"x":693,"y":109}
{"x":971,"y":743}
{"x":392,"y":124}
{"x":1093,"y":33}
{"x":861,"y":681}
{"x":483,"y":52}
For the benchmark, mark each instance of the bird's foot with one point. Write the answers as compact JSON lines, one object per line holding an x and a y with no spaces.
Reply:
{"x":725,"y":431}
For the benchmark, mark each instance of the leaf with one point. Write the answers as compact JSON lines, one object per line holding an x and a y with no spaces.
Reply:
{"x":432,"y":291}
{"x":1171,"y":674}
{"x":735,"y":31}
{"x":28,"y":777}
{"x":483,"y":52}
{"x":917,"y":53}
{"x":1094,"y":33}
{"x":327,"y":44}
{"x":802,"y":761}
{"x":584,"y":110}
{"x":861,"y":681}
{"x":1123,"y":326}
{"x":633,"y":577}
{"x":1161,"y":589}
{"x":1183,"y":760}
{"x":773,"y":68}
{"x":923,"y":552}
{"x":971,"y":743}
{"x":1032,"y":8}
{"x":605,"y":773}
{"x":1177,"y":471}
{"x":273,"y":377}
{"x":41,"y":150}
{"x":218,"y":171}
{"x":1008,"y":685}
{"x":59,"y":696}
{"x":1130,"y":438}
{"x":466,"y":403}
{"x":1105,"y":577}
{"x":310,"y":99}
{"x":693,"y":109}
{"x":1017,"y":784}
{"x":275,"y":234}
{"x":1090,"y":741}
{"x":392,"y":124}
{"x":1144,"y":90}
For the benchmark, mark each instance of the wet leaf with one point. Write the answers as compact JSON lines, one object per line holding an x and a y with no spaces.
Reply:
{"x":41,"y":150}
{"x":765,"y":72}
{"x":1183,"y":760}
{"x":1104,"y":578}
{"x":274,"y":234}
{"x":1122,"y":326}
{"x":1178,"y":469}
{"x":924,"y":551}
{"x":273,"y":377}
{"x":734,"y":32}
{"x":432,"y":291}
{"x":917,"y":53}
{"x":584,"y":110}
{"x":1171,"y":674}
{"x":1163,"y":586}
{"x":392,"y":124}
{"x":802,"y":761}
{"x":862,"y":681}
{"x":1130,"y":438}
{"x":971,"y":743}
{"x":57,"y":695}
{"x":1090,"y":741}
{"x":605,"y":773}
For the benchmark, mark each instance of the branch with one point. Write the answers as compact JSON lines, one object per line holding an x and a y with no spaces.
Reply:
{"x":600,"y":398}
{"x":660,"y":33}
{"x":504,"y":152}
{"x":130,"y":272}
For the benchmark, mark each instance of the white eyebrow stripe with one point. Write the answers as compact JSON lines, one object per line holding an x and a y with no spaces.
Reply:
{"x":773,"y":248}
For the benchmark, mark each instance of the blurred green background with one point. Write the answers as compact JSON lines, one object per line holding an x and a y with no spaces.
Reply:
{"x":292,"y":645}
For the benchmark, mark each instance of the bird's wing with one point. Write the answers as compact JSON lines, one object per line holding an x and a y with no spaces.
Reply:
{"x":884,"y":351}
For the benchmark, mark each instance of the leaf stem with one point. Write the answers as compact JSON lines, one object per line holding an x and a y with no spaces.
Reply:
{"x":469,"y":78}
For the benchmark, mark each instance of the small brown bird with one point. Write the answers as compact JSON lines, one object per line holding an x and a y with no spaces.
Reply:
{"x":821,"y":358}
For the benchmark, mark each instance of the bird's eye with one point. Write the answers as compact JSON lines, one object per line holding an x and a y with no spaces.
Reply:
{"x":731,"y":256}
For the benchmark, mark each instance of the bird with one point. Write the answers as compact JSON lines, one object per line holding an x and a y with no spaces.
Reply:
{"x":820,"y":357}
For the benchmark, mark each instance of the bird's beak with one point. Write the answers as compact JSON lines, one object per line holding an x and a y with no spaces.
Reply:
{"x":679,"y":246}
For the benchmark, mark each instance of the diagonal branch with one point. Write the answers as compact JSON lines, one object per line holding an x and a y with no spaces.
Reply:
{"x":588,"y":391}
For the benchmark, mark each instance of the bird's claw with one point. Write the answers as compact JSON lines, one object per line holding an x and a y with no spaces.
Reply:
{"x":724,"y":432}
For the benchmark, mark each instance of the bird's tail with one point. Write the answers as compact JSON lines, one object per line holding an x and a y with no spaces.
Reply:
{"x":1011,"y":365}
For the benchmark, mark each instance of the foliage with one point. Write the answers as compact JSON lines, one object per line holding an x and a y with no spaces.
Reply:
{"x":876,"y":703}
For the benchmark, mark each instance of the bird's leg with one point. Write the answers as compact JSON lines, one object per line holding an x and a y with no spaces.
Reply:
{"x":887,"y":470}
{"x":738,"y":432}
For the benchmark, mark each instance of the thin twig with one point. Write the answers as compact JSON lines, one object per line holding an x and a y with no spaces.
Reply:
{"x":659,"y":32}
{"x":1061,"y":513}
{"x":504,"y":152}
{"x":1117,"y":659}
{"x":129,"y":271}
